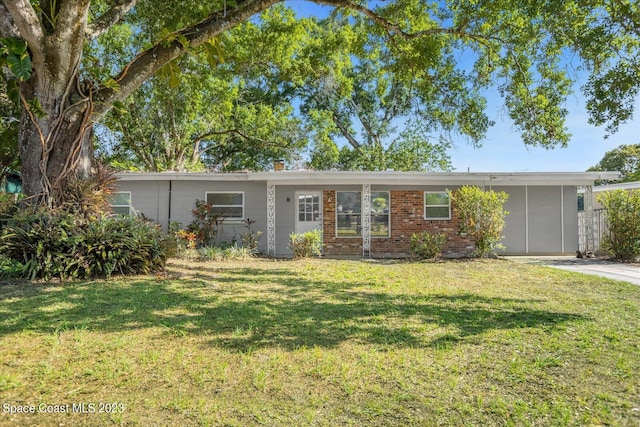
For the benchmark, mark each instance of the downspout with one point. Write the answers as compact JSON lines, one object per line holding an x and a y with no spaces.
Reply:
{"x":169,"y":209}
{"x":562,"y":216}
{"x":158,"y":201}
{"x":526,"y":219}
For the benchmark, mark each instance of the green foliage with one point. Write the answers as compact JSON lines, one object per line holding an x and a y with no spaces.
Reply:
{"x":13,"y":53}
{"x":8,"y":208}
{"x":367,"y":67}
{"x":329,"y":343}
{"x":58,"y":244}
{"x":427,"y":245}
{"x":412,"y":150}
{"x":250,"y":238}
{"x":88,"y":197}
{"x":623,"y":218}
{"x":481,"y":215}
{"x":204,"y":224}
{"x":205,"y":119}
{"x":10,"y":268}
{"x":186,"y":242}
{"x":625,"y":159}
{"x":407,"y":152}
{"x":306,"y":245}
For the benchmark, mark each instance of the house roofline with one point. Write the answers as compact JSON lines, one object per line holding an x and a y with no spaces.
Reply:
{"x":620,"y":186}
{"x":381,"y":178}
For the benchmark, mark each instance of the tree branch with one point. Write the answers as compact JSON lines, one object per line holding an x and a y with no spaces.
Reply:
{"x":151,"y":60}
{"x":7,"y":27}
{"x":71,"y":20}
{"x":207,"y":135}
{"x":147,"y":160}
{"x":109,"y":18}
{"x":345,"y":132}
{"x":264,"y":143}
{"x":365,"y":123}
{"x":394,"y":29}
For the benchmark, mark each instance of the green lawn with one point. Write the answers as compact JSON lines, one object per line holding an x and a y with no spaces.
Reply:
{"x":325,"y":343}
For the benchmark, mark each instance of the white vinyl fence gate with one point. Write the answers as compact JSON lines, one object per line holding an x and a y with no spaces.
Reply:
{"x":599,"y":229}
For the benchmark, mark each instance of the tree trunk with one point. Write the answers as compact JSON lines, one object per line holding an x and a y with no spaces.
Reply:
{"x":55,"y":127}
{"x":55,"y":144}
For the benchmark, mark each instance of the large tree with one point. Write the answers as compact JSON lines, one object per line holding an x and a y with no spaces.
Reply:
{"x":625,"y":158}
{"x":519,"y":45}
{"x":211,"y":120}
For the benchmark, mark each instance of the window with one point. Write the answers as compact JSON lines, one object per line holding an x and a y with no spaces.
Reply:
{"x":380,"y":214}
{"x":121,"y":203}
{"x":437,"y":205}
{"x":581,"y":202}
{"x":308,"y":207}
{"x":348,"y":214}
{"x":227,"y":205}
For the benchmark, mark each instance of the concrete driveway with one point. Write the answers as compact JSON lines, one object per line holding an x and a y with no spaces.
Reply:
{"x":599,"y":267}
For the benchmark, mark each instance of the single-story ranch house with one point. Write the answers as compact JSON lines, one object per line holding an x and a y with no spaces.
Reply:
{"x":364,"y":213}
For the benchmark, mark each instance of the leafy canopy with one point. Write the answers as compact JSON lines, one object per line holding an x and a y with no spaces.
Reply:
{"x":422,"y":67}
{"x":625,"y":158}
{"x":359,"y":74}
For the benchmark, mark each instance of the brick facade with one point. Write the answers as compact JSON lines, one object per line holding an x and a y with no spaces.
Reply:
{"x":334,"y":246}
{"x":407,"y":217}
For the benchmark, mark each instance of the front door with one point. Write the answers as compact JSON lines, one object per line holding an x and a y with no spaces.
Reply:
{"x":308,"y":211}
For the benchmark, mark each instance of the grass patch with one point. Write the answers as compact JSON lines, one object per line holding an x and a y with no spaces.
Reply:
{"x":326,"y":342}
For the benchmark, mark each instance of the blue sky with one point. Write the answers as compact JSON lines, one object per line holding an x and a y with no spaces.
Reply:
{"x":503,"y":149}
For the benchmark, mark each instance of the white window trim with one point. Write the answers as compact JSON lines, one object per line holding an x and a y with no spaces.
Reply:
{"x":388,"y":216}
{"x":228,"y":206}
{"x":357,"y":236}
{"x":424,"y":202}
{"x":130,"y":205}
{"x":388,"y":236}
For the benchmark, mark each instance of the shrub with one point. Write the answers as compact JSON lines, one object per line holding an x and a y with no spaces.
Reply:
{"x":87,"y":197}
{"x":204,"y":224}
{"x":186,"y":239}
{"x":305,"y":245}
{"x":481,"y":216}
{"x":250,"y":238}
{"x":427,"y":245}
{"x":8,"y":207}
{"x":623,"y":216}
{"x":55,"y":243}
{"x":10,"y":268}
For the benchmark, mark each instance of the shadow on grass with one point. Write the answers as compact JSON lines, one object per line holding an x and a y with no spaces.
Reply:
{"x":291,"y":312}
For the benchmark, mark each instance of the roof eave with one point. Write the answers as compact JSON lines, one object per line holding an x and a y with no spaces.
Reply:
{"x":383,"y":178}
